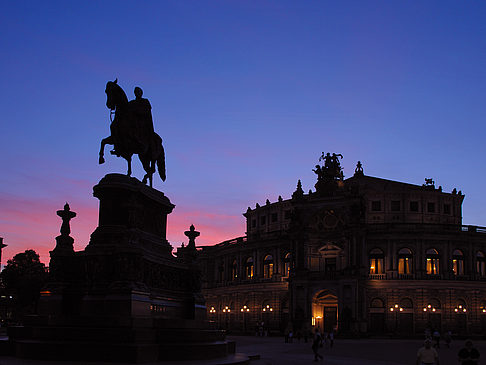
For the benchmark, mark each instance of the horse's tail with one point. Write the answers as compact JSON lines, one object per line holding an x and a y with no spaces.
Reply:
{"x":161,"y":161}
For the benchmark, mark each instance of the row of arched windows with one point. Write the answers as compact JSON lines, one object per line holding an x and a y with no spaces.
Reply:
{"x":248,"y":272}
{"x":432,"y":262}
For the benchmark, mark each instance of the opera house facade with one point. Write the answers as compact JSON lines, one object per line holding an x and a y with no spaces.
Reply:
{"x":361,"y":255}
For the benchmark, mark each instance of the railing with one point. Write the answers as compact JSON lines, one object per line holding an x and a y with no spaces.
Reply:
{"x":377,"y":276}
{"x":427,"y":227}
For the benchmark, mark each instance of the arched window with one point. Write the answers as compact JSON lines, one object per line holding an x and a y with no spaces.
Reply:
{"x":267,"y":307}
{"x":377,"y":303}
{"x":268,"y":266}
{"x":287,"y":264}
{"x":406,"y":303}
{"x":234,"y":270}
{"x":376,"y":261}
{"x":480,"y":264}
{"x":433,"y":306}
{"x":432,"y":261}
{"x":458,"y":262}
{"x":460,"y":307}
{"x":405,"y":261}
{"x":482,"y":308}
{"x":249,"y":268}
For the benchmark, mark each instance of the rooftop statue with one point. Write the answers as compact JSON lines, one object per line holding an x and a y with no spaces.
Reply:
{"x":132,"y":131}
{"x":331,"y":169}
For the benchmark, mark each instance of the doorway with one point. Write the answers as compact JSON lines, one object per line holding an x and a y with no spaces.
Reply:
{"x":325,"y":311}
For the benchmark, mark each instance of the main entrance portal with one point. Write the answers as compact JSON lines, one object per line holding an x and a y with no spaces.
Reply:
{"x":325,"y":311}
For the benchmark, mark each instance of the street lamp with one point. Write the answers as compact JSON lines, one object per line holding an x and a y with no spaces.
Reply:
{"x":266,"y":309}
{"x":227,"y":311}
{"x":460,"y":309}
{"x":245,"y":309}
{"x":396,"y":308}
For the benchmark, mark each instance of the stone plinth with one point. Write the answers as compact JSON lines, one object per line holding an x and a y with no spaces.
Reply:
{"x":125,"y":298}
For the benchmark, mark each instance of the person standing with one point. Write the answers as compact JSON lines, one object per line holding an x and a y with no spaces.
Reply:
{"x":316,"y":343}
{"x":427,"y":355}
{"x":448,"y":339}
{"x":436,"y":337}
{"x":468,"y":355}
{"x":331,"y":338}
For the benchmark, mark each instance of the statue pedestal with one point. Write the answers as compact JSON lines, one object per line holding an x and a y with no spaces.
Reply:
{"x":125,"y":298}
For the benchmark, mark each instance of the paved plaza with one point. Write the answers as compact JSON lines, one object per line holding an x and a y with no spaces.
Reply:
{"x":274,"y":351}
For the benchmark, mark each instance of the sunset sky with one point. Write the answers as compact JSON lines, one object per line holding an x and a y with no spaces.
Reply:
{"x":246,"y":96}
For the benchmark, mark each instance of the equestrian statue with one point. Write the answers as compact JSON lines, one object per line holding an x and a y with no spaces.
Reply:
{"x":132,"y":131}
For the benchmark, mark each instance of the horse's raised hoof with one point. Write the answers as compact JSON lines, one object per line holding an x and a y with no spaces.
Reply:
{"x":101,"y":160}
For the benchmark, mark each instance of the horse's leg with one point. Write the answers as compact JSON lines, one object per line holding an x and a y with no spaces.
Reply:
{"x":129,"y":161}
{"x":152,"y":170}
{"x":145,"y":160}
{"x":104,"y":142}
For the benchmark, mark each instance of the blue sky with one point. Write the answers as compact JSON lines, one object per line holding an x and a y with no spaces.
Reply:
{"x":245,"y":94}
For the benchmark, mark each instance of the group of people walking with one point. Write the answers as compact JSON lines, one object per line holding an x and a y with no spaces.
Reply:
{"x":319,"y":341}
{"x":428,"y":355}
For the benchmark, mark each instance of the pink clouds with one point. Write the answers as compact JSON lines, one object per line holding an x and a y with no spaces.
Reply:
{"x":30,"y":223}
{"x":214,"y":227}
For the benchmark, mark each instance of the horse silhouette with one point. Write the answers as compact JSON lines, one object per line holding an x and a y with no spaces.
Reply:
{"x":129,"y":135}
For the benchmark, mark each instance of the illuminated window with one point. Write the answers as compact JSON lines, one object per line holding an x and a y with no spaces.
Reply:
{"x":405,"y":261}
{"x":249,"y":268}
{"x":432,"y":261}
{"x":458,"y":262}
{"x":287,"y":264}
{"x":376,"y":261}
{"x":480,"y":264}
{"x":268,"y":266}
{"x":234,"y":270}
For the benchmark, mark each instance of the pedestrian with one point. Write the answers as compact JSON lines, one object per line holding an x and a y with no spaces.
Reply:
{"x":436,"y":337}
{"x":448,"y":339}
{"x":427,"y":355}
{"x":331,"y":338}
{"x":316,"y":343}
{"x":326,"y":340}
{"x":291,"y":336}
{"x":468,"y":355}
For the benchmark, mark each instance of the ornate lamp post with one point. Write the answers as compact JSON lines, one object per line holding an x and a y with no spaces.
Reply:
{"x":245,"y":309}
{"x":227,"y":311}
{"x":429,"y":309}
{"x":460,"y":311}
{"x":396,"y":308}
{"x":266,"y":310}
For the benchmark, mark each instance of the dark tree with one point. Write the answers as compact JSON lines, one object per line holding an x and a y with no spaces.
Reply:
{"x":23,"y":278}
